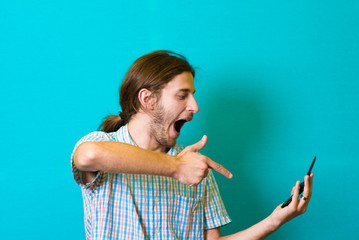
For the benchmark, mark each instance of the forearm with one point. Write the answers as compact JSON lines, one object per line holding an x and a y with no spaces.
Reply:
{"x":256,"y":232}
{"x":277,"y":218}
{"x":122,"y":158}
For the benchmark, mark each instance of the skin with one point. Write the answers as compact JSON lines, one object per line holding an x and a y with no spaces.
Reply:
{"x":278,"y":217}
{"x":152,"y":129}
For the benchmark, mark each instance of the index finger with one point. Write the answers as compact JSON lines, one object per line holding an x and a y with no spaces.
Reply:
{"x":219,"y":168}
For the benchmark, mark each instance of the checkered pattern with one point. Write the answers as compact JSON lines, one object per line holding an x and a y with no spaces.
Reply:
{"x":132,"y":206}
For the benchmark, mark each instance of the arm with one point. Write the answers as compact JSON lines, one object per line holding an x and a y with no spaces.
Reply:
{"x":119,"y":157}
{"x":278,"y":217}
{"x":189,"y":167}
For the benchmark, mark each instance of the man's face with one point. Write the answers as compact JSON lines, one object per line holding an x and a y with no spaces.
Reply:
{"x":174,"y":108}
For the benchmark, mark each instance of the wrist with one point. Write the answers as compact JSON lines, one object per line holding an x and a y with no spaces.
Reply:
{"x":271,"y":224}
{"x":173,"y":166}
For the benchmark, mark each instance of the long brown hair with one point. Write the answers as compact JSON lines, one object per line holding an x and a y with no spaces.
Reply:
{"x":151,"y":71}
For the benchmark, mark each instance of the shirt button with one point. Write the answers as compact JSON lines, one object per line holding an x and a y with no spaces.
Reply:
{"x":157,"y":231}
{"x":156,"y":200}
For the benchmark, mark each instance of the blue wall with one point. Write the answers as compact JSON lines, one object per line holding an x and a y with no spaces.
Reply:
{"x":277,"y":83}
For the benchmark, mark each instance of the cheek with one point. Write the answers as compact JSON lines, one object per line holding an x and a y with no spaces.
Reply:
{"x":174,"y":107}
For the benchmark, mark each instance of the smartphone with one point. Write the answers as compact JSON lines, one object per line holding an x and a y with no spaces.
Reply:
{"x":301,"y":187}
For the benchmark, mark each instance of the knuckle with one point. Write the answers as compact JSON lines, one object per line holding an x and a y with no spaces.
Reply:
{"x":188,"y":149}
{"x":196,"y":181}
{"x":219,"y":167}
{"x":202,"y":158}
{"x":203,"y":166}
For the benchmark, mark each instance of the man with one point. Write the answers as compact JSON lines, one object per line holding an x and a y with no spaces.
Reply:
{"x":137,"y":183}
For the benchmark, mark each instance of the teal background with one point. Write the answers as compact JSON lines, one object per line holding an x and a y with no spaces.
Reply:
{"x":277,"y":83}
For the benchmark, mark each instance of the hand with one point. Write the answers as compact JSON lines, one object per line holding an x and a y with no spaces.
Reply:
{"x":192,"y":167}
{"x":296,"y":207}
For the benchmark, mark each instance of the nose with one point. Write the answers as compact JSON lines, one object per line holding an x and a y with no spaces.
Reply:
{"x":192,"y":105}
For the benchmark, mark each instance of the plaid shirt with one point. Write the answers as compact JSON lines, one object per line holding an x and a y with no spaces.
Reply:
{"x":132,"y":206}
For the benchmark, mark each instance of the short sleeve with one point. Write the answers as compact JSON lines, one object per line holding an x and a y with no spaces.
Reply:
{"x":92,"y":137}
{"x":214,"y":210}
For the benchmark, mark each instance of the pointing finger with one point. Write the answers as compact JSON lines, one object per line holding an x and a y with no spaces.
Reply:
{"x":219,"y":168}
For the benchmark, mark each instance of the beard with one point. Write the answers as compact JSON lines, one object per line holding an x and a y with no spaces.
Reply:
{"x":159,"y":127}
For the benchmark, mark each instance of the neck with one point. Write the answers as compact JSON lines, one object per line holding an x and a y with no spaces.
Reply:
{"x":139,"y":130}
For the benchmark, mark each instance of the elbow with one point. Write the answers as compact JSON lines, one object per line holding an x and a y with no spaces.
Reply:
{"x":85,"y":157}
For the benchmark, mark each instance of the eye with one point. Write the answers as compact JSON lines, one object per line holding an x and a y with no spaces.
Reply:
{"x":181,"y":96}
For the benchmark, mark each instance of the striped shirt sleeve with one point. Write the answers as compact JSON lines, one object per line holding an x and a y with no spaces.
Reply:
{"x":91,"y":137}
{"x":214,"y":210}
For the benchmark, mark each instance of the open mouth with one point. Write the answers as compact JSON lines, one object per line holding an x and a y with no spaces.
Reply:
{"x":179,"y":124}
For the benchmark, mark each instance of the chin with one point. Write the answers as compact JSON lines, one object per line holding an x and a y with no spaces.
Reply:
{"x":167,"y":142}
{"x":172,"y":143}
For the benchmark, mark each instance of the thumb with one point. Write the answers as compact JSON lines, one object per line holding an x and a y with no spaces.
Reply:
{"x":199,"y":145}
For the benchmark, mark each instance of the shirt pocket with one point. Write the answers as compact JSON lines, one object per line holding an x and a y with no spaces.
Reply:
{"x":183,"y":216}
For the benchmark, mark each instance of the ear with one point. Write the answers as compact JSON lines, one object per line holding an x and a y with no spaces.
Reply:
{"x":147,"y":99}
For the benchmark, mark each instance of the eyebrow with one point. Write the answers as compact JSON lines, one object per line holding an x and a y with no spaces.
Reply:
{"x":186,"y":90}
